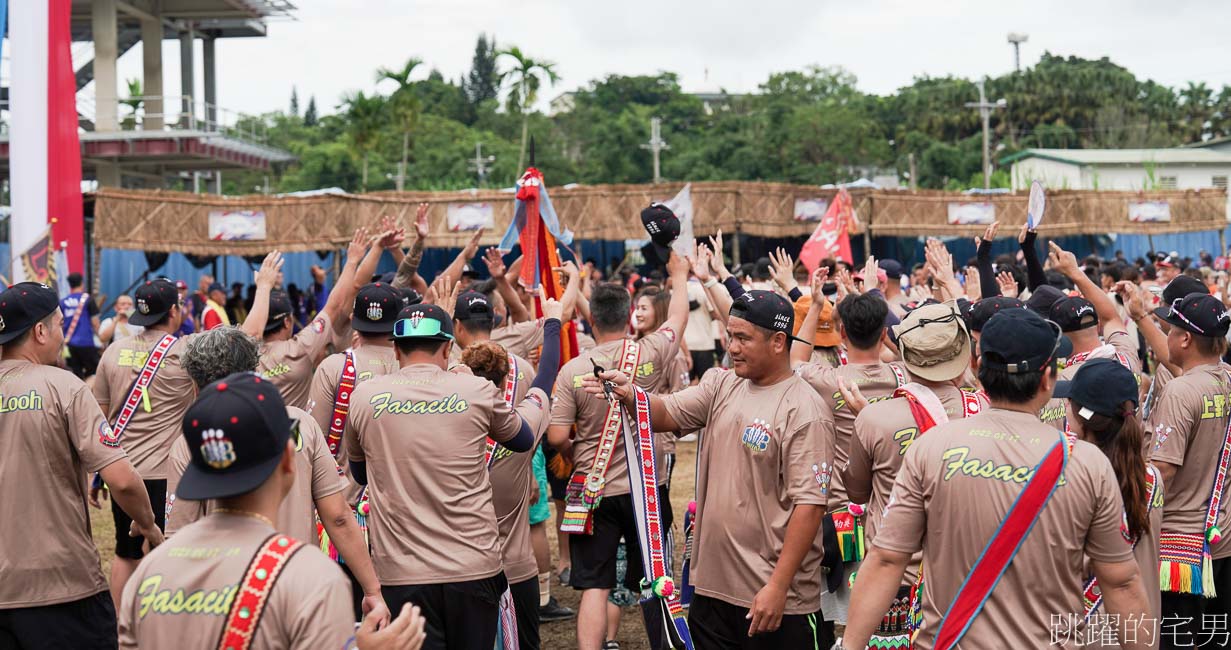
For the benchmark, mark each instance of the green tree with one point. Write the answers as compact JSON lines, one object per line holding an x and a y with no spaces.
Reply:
{"x":294,"y":101}
{"x":363,"y":122}
{"x":309,"y":113}
{"x":134,"y":104}
{"x":405,"y":107}
{"x":483,"y":82}
{"x":526,"y":77}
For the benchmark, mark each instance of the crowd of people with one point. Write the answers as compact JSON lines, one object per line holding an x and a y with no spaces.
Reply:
{"x":1020,"y":451}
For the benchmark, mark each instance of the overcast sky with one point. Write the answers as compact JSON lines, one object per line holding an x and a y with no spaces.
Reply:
{"x":334,"y":46}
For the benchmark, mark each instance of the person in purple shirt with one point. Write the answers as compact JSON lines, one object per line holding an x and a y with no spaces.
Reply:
{"x":80,"y":324}
{"x":189,"y":326}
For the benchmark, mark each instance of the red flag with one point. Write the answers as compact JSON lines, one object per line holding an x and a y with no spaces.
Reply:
{"x":832,"y":235}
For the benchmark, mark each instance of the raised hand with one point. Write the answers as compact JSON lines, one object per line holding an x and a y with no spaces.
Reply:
{"x":701,"y":262}
{"x":870,"y":269}
{"x":716,"y":244}
{"x":783,"y":269}
{"x":421,"y":227}
{"x":552,"y":308}
{"x":267,"y":275}
{"x":494,"y":262}
{"x":677,"y":265}
{"x":974,"y":290}
{"x":989,"y":234}
{"x":472,"y":246}
{"x":816,"y":284}
{"x":443,"y":295}
{"x":846,"y":284}
{"x":1062,"y":260}
{"x":358,"y":245}
{"x":1008,"y":286}
{"x":1130,"y":295}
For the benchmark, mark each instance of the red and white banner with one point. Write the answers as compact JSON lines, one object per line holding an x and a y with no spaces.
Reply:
{"x":832,"y":235}
{"x":45,"y":154}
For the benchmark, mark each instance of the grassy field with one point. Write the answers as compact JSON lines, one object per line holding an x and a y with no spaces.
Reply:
{"x":555,"y":635}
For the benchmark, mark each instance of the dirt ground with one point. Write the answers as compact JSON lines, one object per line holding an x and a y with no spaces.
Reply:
{"x":560,"y":635}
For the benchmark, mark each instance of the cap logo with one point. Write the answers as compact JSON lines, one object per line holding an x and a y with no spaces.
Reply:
{"x":216,"y":449}
{"x":415,"y":319}
{"x":1085,"y":309}
{"x":1221,"y":317}
{"x":375,"y":312}
{"x":477,"y":300}
{"x":143,"y":306}
{"x":1,"y":323}
{"x":782,"y":321}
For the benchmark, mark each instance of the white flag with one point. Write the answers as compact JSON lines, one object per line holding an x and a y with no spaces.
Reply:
{"x":681,"y":205}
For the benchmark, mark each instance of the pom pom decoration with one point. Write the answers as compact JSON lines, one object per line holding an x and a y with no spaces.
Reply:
{"x":856,"y":509}
{"x":850,"y":582}
{"x":663,"y":587}
{"x":692,"y":507}
{"x":364,"y":509}
{"x":1214,"y":535}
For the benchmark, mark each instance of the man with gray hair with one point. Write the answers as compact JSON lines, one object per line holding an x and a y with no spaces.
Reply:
{"x":221,"y":352}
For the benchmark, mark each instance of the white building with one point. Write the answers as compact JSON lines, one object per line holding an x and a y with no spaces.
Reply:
{"x":1182,"y":168}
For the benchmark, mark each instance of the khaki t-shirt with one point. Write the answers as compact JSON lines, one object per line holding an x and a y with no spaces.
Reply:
{"x":370,"y":361}
{"x":422,"y":432}
{"x":1189,"y":423}
{"x":1126,"y":348}
{"x":290,"y":364}
{"x":512,"y":478}
{"x":520,"y":338}
{"x":876,"y":381}
{"x":957,"y":483}
{"x":149,"y":435}
{"x":49,"y":442}
{"x":574,"y":406}
{"x":316,"y":477}
{"x":764,"y":450}
{"x":182,"y":592}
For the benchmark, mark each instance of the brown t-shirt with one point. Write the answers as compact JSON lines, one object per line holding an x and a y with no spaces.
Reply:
{"x":957,"y":483}
{"x":370,"y":361}
{"x":511,"y":478}
{"x":49,"y":441}
{"x":316,"y":477}
{"x":574,"y":406}
{"x":1125,"y":348}
{"x":883,"y":433}
{"x":520,"y":338}
{"x":290,"y":364}
{"x":149,"y":435}
{"x":422,"y":432}
{"x":1189,"y":423}
{"x":182,"y":592}
{"x":876,"y":381}
{"x":764,"y":450}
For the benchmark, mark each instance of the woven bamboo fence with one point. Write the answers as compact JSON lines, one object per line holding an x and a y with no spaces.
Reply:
{"x":179,"y":222}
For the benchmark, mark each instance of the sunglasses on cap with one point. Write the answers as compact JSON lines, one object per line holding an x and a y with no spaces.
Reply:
{"x":1174,"y":311}
{"x":419,"y":328}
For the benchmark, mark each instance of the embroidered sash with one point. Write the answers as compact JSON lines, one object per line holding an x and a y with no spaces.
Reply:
{"x":341,"y":402}
{"x":82,"y":303}
{"x":250,"y":599}
{"x":510,"y":393}
{"x":508,"y":609}
{"x":1091,"y":594}
{"x":585,"y":491}
{"x":643,"y":488}
{"x":138,"y":394}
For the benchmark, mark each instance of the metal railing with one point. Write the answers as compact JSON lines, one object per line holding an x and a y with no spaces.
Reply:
{"x":177,"y":112}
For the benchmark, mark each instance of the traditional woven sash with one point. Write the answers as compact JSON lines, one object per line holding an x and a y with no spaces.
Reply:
{"x":252,"y":595}
{"x":341,"y":402}
{"x":842,"y":360}
{"x":1004,"y":545}
{"x":510,"y":392}
{"x":1091,"y":594}
{"x":72,"y":326}
{"x":1185,"y":563}
{"x":138,"y":394}
{"x":686,"y":588}
{"x":643,"y":488}
{"x":361,"y":510}
{"x":585,"y":491}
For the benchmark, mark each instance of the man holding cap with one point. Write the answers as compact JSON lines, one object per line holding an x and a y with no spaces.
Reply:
{"x":1031,"y":504}
{"x":1190,"y":430}
{"x":763,"y":468}
{"x":214,"y":314}
{"x":936,"y":349}
{"x":144,"y":391}
{"x":232,"y":576}
{"x":52,"y":435}
{"x":432,"y":524}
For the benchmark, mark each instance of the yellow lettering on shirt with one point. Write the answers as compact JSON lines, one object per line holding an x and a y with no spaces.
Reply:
{"x":214,"y":602}
{"x":840,"y":403}
{"x":905,"y":437}
{"x":1213,"y":407}
{"x":132,"y":358}
{"x":956,"y":460}
{"x":1052,"y":413}
{"x":31,"y":401}
{"x":276,"y":371}
{"x":384,"y":403}
{"x":646,"y":369}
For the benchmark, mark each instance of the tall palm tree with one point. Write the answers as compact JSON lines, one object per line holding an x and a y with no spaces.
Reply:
{"x":526,"y":76}
{"x":363,"y":122}
{"x":405,"y":107}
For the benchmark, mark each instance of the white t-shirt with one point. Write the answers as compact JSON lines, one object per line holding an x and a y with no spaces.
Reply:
{"x":122,"y":330}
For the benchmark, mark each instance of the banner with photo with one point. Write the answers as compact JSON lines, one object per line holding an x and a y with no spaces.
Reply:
{"x":1149,"y":211}
{"x":236,"y":225}
{"x":971,"y":214}
{"x":470,"y":216}
{"x":810,"y":209}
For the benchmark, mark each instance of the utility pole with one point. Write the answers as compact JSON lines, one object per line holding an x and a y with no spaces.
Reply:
{"x":481,"y":164}
{"x":656,"y":145}
{"x":985,"y":111}
{"x":1016,"y":39}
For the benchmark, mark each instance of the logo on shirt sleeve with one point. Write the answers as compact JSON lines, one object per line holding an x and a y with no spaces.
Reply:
{"x":669,"y":333}
{"x":318,"y":325}
{"x":756,"y":436}
{"x":106,"y":435}
{"x":822,"y":472}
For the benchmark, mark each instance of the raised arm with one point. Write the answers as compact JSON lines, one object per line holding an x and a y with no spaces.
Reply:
{"x":265,"y":277}
{"x":983,"y":259}
{"x":453,"y":273}
{"x":353,"y":276}
{"x":677,"y":309}
{"x":408,"y":269}
{"x":801,"y":351}
{"x":512,"y":302}
{"x":572,"y":291}
{"x":1066,"y":263}
{"x":1155,"y":340}
{"x":1035,"y":277}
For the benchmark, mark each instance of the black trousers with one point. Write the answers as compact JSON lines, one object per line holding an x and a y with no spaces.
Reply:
{"x":83,"y":361}
{"x":1192,"y":621}
{"x":526,"y":602}
{"x":460,"y":615}
{"x":127,"y":547}
{"x":86,"y":624}
{"x":716,"y":624}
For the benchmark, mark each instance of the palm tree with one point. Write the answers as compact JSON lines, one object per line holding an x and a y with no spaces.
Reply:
{"x":405,"y":107}
{"x":526,"y":76}
{"x":363,"y":121}
{"x":134,"y":103}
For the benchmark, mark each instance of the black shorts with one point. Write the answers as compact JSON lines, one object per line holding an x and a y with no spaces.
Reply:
{"x":526,"y":603}
{"x":720,"y":625}
{"x":86,"y":624}
{"x":594,"y":555}
{"x":459,"y":614}
{"x":127,"y":547}
{"x":702,"y":360}
{"x":557,"y":483}
{"x":83,"y":361}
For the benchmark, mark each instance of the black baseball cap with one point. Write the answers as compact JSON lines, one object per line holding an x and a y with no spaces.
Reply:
{"x":1019,"y":341}
{"x":1181,"y":286}
{"x":279,"y":308}
{"x":892,"y":268}
{"x":376,"y":308}
{"x":427,"y":322}
{"x":217,"y":286}
{"x":1042,"y":298}
{"x":22,"y":306}
{"x":410,"y":296}
{"x":1074,"y":314}
{"x":1198,"y":313}
{"x":982,"y":311}
{"x":469,"y":272}
{"x":472,"y":305}
{"x":1102,"y":386}
{"x":154,"y":299}
{"x":236,"y":432}
{"x":766,"y":309}
{"x":663,"y":226}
